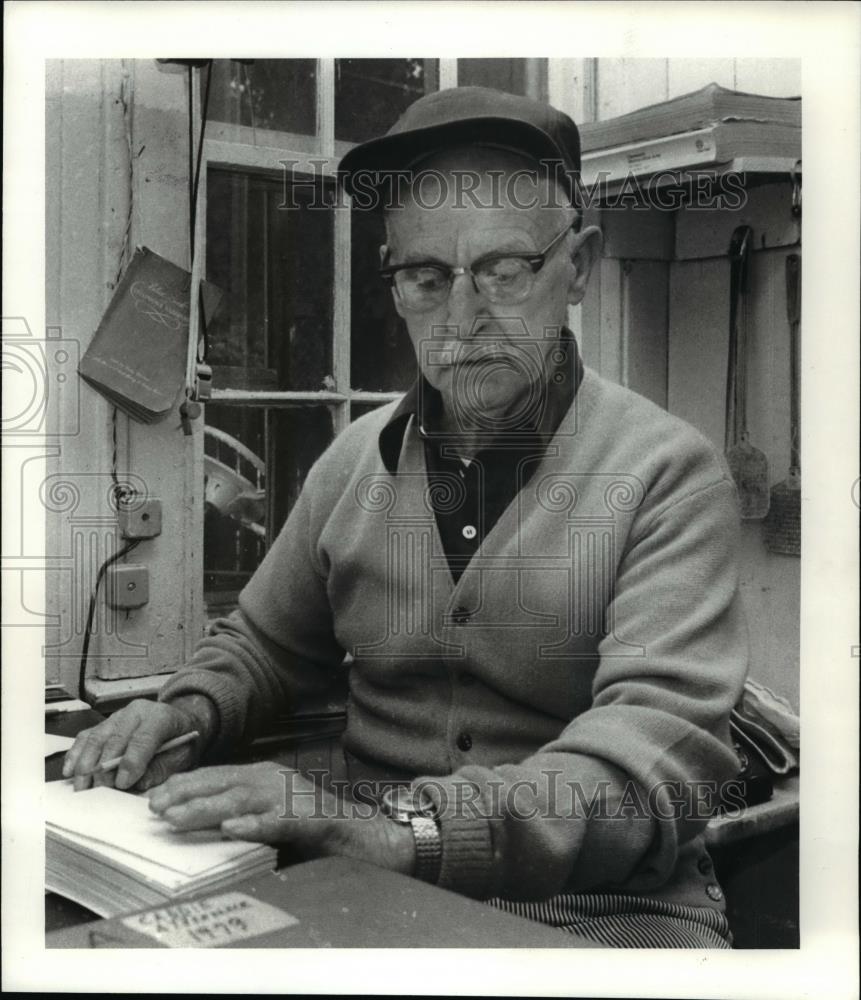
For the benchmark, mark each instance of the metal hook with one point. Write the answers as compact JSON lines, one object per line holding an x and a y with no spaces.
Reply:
{"x":795,"y":177}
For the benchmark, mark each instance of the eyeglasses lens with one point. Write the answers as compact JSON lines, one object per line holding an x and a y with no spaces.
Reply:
{"x":503,"y":280}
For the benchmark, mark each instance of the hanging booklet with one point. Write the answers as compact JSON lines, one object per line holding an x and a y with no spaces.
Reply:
{"x":137,"y":357}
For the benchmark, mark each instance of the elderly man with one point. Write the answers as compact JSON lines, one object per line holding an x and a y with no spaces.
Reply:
{"x":532,"y":571}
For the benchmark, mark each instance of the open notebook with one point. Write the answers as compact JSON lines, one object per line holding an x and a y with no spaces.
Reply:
{"x":108,"y":852}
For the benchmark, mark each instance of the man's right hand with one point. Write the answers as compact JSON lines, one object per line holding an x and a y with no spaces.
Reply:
{"x":135,"y":733}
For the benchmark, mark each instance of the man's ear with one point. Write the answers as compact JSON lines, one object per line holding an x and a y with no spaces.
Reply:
{"x":584,"y":254}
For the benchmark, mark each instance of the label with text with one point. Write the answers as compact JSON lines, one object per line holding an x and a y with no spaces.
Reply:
{"x":210,"y":923}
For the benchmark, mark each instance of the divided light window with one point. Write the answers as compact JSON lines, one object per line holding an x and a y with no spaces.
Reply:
{"x":307,"y":338}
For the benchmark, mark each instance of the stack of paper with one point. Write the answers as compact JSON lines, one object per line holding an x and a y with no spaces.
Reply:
{"x":57,"y":744}
{"x":108,"y":852}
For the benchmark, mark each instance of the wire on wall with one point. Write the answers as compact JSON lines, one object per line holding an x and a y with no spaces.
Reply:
{"x":88,"y":629}
{"x":198,"y":345}
{"x":196,"y":183}
{"x":122,"y":491}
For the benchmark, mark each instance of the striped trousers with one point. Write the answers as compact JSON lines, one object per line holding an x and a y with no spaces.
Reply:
{"x":621,"y":921}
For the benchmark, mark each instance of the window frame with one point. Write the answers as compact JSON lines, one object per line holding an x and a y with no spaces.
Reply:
{"x":320,"y":154}
{"x":244,"y":148}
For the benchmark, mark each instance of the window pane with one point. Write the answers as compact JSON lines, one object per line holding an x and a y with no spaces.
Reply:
{"x":298,"y":436}
{"x":371,"y":94}
{"x":360,"y":409}
{"x":274,"y":265}
{"x":515,"y":76}
{"x":255,"y":463}
{"x":278,"y":94}
{"x":381,"y":356}
{"x":234,"y":493}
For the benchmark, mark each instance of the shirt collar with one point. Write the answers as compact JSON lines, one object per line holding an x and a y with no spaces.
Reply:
{"x":424,"y":403}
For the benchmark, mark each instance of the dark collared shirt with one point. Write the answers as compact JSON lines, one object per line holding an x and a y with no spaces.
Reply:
{"x":468,"y":498}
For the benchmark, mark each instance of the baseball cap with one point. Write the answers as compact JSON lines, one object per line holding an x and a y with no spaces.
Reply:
{"x":470,"y":116}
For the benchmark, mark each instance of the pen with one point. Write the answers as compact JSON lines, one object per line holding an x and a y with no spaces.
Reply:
{"x":180,"y":741}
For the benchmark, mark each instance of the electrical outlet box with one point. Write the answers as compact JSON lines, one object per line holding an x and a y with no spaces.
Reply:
{"x":141,"y":520}
{"x":127,"y":586}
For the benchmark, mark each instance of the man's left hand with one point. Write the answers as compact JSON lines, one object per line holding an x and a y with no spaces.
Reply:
{"x":273,"y":804}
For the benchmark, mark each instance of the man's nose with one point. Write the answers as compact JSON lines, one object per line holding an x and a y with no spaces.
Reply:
{"x":465,"y":304}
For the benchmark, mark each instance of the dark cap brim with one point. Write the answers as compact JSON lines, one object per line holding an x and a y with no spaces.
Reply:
{"x":392,"y":153}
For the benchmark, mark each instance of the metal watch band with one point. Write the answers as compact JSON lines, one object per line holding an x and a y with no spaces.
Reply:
{"x":428,"y":848}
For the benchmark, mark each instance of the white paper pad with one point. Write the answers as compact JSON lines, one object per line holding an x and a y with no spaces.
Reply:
{"x":57,"y":744}
{"x":106,"y":850}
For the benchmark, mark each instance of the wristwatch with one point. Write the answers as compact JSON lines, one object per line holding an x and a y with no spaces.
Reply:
{"x":405,"y":806}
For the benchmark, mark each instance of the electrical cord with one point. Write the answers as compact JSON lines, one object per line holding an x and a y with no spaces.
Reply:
{"x":194,"y":164}
{"x":191,"y":163}
{"x":82,"y":673}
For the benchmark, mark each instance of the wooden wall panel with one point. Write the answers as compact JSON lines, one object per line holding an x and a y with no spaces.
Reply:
{"x":80,"y":525}
{"x":767,"y":209}
{"x":586,"y":321}
{"x":697,"y":344}
{"x":626,"y":84}
{"x":775,"y":77}
{"x":685,"y":75}
{"x":87,"y":137}
{"x":611,"y":327}
{"x":645,"y":328}
{"x":571,"y":87}
{"x":638,"y":235}
{"x":698,"y":340}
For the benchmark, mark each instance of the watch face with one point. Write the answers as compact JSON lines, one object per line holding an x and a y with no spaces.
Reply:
{"x":402,"y":804}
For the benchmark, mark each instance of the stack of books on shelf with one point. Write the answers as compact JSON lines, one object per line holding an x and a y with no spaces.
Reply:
{"x":708,"y":127}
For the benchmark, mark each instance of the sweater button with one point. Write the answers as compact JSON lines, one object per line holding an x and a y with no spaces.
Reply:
{"x":714,"y":892}
{"x":460,"y":616}
{"x":464,"y":742}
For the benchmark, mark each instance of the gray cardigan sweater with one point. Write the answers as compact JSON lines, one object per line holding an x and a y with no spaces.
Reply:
{"x":566,"y":702}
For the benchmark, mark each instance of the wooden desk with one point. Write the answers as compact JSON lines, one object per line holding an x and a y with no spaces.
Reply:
{"x":342,"y":903}
{"x":338,"y":902}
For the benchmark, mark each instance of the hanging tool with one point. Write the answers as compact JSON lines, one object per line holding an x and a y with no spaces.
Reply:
{"x":783,"y":524}
{"x":748,"y":465}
